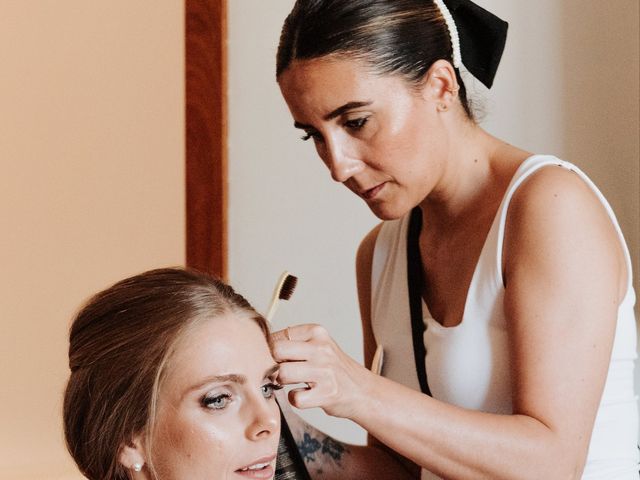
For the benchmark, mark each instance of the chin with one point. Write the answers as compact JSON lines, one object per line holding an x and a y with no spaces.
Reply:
{"x":388,"y":212}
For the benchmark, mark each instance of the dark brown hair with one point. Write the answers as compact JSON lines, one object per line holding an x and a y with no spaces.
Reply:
{"x":393,"y":36}
{"x":118,"y":349}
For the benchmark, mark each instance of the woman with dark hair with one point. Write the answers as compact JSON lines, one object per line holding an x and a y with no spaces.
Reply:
{"x":171,"y":378}
{"x":498,"y":286}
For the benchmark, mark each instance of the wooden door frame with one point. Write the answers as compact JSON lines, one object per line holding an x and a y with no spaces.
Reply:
{"x":206,"y":135}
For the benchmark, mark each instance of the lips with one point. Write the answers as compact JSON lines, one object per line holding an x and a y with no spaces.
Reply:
{"x":260,"y":469}
{"x":371,"y":193}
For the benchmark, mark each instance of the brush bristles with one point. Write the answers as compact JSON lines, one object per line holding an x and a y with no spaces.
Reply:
{"x":288,"y":286}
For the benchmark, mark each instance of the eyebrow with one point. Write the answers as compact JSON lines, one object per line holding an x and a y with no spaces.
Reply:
{"x":231,"y":377}
{"x":336,"y":113}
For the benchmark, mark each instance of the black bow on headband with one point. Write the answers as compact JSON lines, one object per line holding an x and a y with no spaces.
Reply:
{"x":482,"y":38}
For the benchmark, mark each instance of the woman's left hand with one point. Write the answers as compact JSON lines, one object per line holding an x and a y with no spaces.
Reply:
{"x":335,"y":382}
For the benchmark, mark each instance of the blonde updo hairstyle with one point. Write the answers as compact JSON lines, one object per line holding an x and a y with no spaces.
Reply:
{"x":119,"y":346}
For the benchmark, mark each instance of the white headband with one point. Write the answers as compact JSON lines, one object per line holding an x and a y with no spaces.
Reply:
{"x":453,"y":32}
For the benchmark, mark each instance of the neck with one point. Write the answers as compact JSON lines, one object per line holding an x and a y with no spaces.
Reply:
{"x":468,"y":175}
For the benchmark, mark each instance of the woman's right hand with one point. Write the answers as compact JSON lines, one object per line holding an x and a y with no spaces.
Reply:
{"x":335,"y":382}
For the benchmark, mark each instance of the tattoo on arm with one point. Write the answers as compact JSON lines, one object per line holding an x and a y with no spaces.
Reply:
{"x":308,"y":448}
{"x":333,"y":448}
{"x":329,"y":459}
{"x":320,"y":451}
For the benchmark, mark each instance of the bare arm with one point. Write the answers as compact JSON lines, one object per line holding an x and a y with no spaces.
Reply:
{"x":564,"y":278}
{"x":329,"y":459}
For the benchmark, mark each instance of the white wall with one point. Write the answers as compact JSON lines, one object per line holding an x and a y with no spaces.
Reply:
{"x":568,"y":85}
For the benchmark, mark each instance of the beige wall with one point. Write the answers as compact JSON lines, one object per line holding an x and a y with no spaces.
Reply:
{"x":91,"y":189}
{"x":601,"y":71}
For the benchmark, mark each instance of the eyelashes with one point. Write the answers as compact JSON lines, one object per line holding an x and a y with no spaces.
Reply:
{"x":357,"y":123}
{"x":308,"y":136}
{"x":354,"y":125}
{"x":216,"y":402}
{"x":222,"y":400}
{"x":269,"y":389}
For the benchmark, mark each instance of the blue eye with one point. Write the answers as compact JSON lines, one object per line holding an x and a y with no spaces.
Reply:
{"x":217,"y":402}
{"x":269,"y":388}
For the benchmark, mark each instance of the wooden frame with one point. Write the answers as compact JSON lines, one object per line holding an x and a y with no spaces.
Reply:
{"x":206,"y":135}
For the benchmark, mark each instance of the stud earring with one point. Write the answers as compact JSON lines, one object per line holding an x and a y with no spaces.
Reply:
{"x":443,"y":107}
{"x":137,"y":467}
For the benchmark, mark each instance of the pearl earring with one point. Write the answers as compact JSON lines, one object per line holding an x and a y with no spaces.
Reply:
{"x":137,"y":467}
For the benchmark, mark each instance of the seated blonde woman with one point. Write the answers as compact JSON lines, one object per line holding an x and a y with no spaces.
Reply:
{"x":171,"y":378}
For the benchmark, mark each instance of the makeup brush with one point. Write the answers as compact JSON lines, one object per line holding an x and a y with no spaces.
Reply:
{"x":283,"y":291}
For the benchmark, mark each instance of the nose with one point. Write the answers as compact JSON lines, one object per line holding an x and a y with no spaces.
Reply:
{"x":342,"y":162}
{"x":264,"y":419}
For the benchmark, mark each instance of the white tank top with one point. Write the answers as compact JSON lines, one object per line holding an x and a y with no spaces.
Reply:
{"x":467,"y":365}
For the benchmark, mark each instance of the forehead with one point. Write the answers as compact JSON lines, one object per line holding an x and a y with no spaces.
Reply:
{"x":324,"y":71}
{"x":232,"y":343}
{"x":319,"y":85}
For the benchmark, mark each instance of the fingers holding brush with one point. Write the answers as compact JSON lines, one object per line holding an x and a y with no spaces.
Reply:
{"x":301,"y":333}
{"x":308,"y":355}
{"x":301,"y":343}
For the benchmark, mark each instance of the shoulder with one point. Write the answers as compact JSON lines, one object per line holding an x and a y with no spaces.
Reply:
{"x":557,"y":199}
{"x":551,"y":182}
{"x":364,"y":256}
{"x":555,"y":220}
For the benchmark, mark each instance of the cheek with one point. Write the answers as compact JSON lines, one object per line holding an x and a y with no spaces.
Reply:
{"x":407,"y":140}
{"x":194,"y":448}
{"x":401,"y":153}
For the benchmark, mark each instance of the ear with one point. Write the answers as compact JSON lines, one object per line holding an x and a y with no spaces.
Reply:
{"x":440,"y":84}
{"x":132,"y":454}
